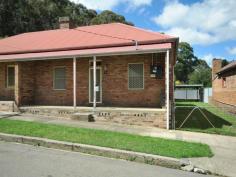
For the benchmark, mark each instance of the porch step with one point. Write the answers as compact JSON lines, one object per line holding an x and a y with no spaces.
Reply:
{"x":83,"y":116}
{"x":8,"y":106}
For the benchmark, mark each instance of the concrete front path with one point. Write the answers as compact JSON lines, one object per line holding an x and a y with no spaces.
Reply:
{"x":224,"y":147}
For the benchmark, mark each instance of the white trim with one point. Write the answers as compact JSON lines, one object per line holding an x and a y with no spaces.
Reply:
{"x":91,"y":68}
{"x":167,"y":89}
{"x":143,"y":76}
{"x":74,"y":82}
{"x":94,"y":84}
{"x":7,"y":85}
{"x":89,"y":55}
{"x":55,"y":67}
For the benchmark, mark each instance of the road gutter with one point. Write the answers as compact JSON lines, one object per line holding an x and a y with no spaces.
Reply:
{"x":97,"y":150}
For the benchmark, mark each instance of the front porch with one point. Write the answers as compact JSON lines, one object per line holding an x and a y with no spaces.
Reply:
{"x":64,"y":87}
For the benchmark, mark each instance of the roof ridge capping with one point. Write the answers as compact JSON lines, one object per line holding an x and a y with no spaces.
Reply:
{"x":146,"y":30}
{"x":132,"y":27}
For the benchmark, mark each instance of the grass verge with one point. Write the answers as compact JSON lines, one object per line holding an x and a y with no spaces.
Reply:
{"x":224,"y":123}
{"x":150,"y":145}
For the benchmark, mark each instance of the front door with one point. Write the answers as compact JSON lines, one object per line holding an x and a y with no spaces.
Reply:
{"x":98,"y":85}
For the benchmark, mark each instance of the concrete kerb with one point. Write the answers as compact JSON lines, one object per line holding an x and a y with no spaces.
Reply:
{"x":95,"y":150}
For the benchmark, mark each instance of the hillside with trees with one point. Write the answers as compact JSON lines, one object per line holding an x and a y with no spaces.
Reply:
{"x":18,"y":16}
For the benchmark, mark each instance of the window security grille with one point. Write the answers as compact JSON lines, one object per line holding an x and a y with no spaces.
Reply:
{"x":60,"y":78}
{"x":136,"y":76}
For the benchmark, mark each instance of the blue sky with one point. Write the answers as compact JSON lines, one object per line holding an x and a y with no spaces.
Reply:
{"x":208,"y":25}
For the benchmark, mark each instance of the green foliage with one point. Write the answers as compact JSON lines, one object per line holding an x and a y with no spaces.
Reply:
{"x":19,"y":16}
{"x":125,"y":141}
{"x":109,"y":17}
{"x":201,"y":75}
{"x":189,"y":69}
{"x":224,"y":63}
{"x":185,"y":62}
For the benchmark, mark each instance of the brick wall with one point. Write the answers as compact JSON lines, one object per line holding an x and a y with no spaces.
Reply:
{"x":34,"y":83}
{"x":44,"y":91}
{"x":24,"y":83}
{"x":226,"y":95}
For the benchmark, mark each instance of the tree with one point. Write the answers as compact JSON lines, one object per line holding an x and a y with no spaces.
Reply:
{"x":201,"y":75}
{"x":109,"y":17}
{"x":200,"y":62}
{"x":185,"y":62}
{"x":19,"y":16}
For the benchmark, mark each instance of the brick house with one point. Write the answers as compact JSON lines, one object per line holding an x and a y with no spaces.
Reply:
{"x":224,"y":85}
{"x":116,"y":71}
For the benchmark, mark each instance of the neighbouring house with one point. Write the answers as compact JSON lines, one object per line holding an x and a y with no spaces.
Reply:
{"x":117,"y":72}
{"x":224,"y":85}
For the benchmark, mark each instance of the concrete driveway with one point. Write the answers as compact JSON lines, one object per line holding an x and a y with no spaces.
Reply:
{"x":224,"y":147}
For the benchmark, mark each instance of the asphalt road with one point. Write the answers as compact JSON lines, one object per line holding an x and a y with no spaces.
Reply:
{"x":18,"y":160}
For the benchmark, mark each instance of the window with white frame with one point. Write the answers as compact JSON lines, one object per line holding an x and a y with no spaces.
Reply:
{"x":10,"y":76}
{"x":135,"y":76}
{"x":59,"y":78}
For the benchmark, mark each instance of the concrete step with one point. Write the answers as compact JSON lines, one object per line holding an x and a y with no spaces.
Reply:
{"x":8,"y":106}
{"x":83,"y":116}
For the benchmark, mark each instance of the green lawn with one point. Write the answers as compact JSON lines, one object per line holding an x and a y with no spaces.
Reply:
{"x":150,"y":145}
{"x":225,"y":124}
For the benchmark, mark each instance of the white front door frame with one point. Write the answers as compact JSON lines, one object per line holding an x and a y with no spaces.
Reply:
{"x":91,"y":99}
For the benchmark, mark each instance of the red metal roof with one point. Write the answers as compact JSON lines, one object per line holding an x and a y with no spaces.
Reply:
{"x":86,"y":52}
{"x":87,"y":37}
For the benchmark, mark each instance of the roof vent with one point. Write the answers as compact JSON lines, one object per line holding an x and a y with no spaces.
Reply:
{"x":65,"y":23}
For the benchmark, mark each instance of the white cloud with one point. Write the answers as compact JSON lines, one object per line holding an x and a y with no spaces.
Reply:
{"x":110,"y":4}
{"x":232,"y":50}
{"x":205,"y":22}
{"x":209,"y":57}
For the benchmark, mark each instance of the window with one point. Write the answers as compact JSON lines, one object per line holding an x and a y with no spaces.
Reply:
{"x":60,"y":78}
{"x":136,"y":76}
{"x":10,"y":76}
{"x":224,"y":82}
{"x":98,"y":63}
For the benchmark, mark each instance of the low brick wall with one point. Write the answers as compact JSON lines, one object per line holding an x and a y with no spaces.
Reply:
{"x":224,"y":107}
{"x":8,"y":106}
{"x":142,"y":117}
{"x":127,"y":116}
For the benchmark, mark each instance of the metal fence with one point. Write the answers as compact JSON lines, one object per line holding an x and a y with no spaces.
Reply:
{"x":188,"y":94}
{"x":202,"y":117}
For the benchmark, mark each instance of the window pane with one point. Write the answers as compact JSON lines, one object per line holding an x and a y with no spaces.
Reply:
{"x":10,"y":76}
{"x":60,"y":78}
{"x":60,"y":72}
{"x":136,"y":76}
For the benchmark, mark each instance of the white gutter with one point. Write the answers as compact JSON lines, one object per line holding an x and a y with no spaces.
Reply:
{"x":131,"y":52}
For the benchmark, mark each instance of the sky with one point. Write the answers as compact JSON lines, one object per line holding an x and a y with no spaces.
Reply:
{"x":208,"y":25}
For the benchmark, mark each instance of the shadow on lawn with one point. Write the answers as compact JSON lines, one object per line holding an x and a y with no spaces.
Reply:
{"x":197,"y":120}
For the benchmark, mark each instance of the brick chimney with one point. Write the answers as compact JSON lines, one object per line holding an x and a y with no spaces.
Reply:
{"x":216,"y":66}
{"x":65,"y":23}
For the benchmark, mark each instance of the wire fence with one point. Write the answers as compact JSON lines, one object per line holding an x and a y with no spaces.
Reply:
{"x":202,"y":116}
